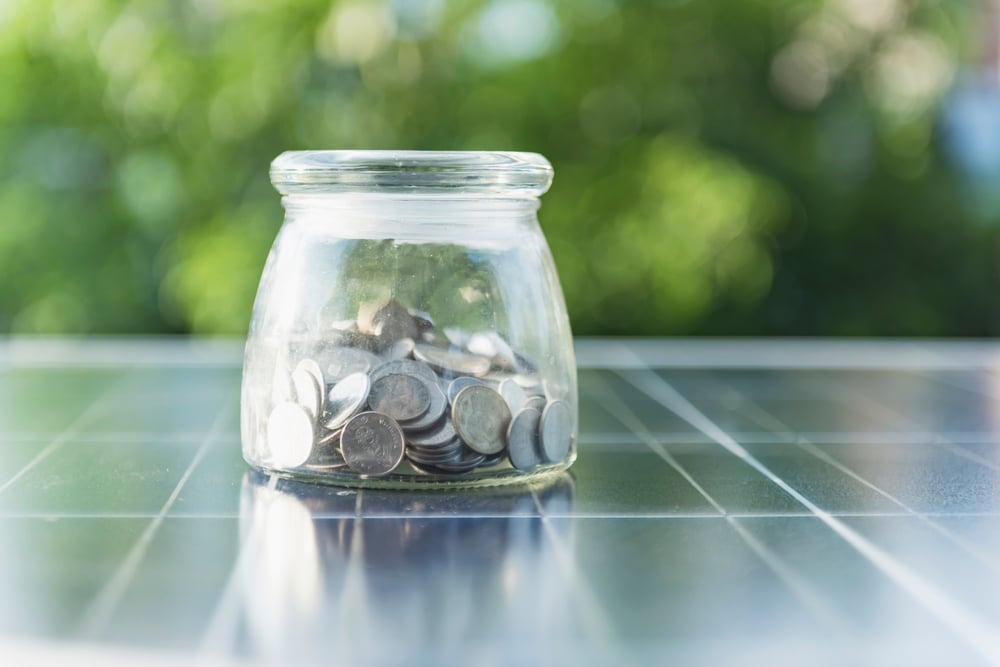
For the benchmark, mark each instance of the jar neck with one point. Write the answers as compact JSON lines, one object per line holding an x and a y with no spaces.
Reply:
{"x":412,"y":206}
{"x":420,"y":216}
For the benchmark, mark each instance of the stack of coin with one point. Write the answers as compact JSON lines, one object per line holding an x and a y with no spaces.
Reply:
{"x":445,"y":404}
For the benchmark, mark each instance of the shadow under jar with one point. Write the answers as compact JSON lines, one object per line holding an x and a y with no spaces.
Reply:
{"x":409,"y":328}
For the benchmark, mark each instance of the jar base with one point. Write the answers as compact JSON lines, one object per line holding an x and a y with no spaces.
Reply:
{"x":510,"y":477}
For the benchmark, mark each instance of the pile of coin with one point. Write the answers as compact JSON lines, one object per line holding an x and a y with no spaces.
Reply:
{"x":390,"y":388}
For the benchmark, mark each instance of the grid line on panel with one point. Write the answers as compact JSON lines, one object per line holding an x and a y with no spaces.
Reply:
{"x":980,"y":634}
{"x":97,"y":614}
{"x":937,"y":440}
{"x":749,"y":408}
{"x":71,"y":431}
{"x":805,"y":593}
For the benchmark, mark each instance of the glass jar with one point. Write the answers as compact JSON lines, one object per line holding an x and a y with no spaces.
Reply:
{"x":409,"y":327}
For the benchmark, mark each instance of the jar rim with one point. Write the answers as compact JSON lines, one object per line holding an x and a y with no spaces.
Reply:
{"x":497,"y":173}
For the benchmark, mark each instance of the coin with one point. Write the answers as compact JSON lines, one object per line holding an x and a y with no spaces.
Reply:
{"x":289,"y":435}
{"x":451,"y":361}
{"x":555,"y":431}
{"x":308,"y":393}
{"x":433,"y":438}
{"x":331,"y":439}
{"x":402,"y":397}
{"x":492,"y":345}
{"x":438,"y":406}
{"x":480,"y":417}
{"x":404,"y":367}
{"x":513,"y":394}
{"x":458,"y":384}
{"x":310,"y":366}
{"x":345,"y":399}
{"x":372,"y":444}
{"x":523,"y":438}
{"x":339,"y":362}
{"x":535,"y":402}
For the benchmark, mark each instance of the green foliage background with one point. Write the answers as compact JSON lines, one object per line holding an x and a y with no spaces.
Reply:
{"x":722,"y":167}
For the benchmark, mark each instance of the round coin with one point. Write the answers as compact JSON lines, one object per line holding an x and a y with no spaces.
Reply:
{"x":480,"y":417}
{"x":311,"y":367}
{"x":438,"y":406}
{"x":433,"y":438}
{"x":523,"y":438}
{"x":404,"y":367}
{"x":339,"y":362}
{"x":555,"y":431}
{"x":458,"y":384}
{"x":402,"y":397}
{"x":289,"y":435}
{"x":372,"y":444}
{"x":513,"y":394}
{"x":536,"y":402}
{"x":308,"y":393}
{"x":345,"y":399}
{"x":451,"y":361}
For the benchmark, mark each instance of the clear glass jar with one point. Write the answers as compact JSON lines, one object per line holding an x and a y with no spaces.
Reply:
{"x":409,"y":327}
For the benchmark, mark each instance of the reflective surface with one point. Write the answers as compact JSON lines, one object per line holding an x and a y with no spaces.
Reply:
{"x":766,"y":503}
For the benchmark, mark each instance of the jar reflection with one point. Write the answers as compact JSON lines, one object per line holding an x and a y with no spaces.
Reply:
{"x":380,"y":576}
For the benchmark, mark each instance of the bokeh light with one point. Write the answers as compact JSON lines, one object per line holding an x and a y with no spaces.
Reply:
{"x":731,"y":167}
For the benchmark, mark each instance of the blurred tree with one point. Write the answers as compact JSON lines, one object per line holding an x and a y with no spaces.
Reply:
{"x":730,"y":167}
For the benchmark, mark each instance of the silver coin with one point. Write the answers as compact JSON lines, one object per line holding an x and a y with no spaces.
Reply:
{"x":536,"y":403}
{"x":326,"y":452}
{"x":308,"y":393}
{"x":438,"y":406}
{"x":513,"y":394}
{"x":402,"y":397}
{"x":346,"y":399}
{"x":481,"y":417}
{"x":330,"y":439}
{"x":523,"y":438}
{"x":404,"y":367}
{"x":312,"y":367}
{"x":339,"y":362}
{"x":556,"y":431}
{"x":531,"y":383}
{"x":432,"y":438}
{"x":453,"y":455}
{"x":458,"y":384}
{"x":490,"y":344}
{"x":470,"y":461}
{"x":372,"y":444}
{"x":451,"y":361}
{"x":289,"y":435}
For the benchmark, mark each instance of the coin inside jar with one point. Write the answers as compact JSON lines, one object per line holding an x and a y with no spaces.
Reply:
{"x":555,"y":431}
{"x":523,"y":438}
{"x":372,"y":444}
{"x":290,"y":435}
{"x":345,"y":399}
{"x":451,"y":361}
{"x":481,"y":417}
{"x":402,"y":397}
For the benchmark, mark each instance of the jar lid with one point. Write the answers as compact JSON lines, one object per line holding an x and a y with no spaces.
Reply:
{"x":511,"y":174}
